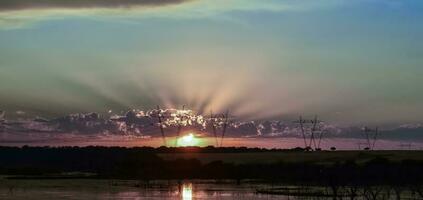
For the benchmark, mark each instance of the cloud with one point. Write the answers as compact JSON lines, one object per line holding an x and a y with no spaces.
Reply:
{"x":13,"y":5}
{"x":138,"y":124}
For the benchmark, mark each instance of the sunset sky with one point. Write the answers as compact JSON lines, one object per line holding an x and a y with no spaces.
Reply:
{"x":351,"y":62}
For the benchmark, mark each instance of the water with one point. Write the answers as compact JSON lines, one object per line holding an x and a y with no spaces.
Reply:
{"x":126,"y":190}
{"x":174,"y":190}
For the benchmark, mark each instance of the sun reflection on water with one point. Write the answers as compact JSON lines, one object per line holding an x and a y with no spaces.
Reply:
{"x":187,"y":191}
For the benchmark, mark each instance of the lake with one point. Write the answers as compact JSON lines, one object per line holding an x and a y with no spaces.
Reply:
{"x":125,"y":190}
{"x":88,"y":189}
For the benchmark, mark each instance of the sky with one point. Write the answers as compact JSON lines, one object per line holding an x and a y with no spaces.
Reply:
{"x":352,"y":63}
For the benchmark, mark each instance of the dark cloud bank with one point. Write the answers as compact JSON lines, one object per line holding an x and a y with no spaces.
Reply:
{"x":139,"y":124}
{"x":10,"y":5}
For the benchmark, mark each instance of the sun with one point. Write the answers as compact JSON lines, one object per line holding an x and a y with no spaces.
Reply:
{"x":188,"y":140}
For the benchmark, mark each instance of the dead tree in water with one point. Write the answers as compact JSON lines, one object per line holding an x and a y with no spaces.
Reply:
{"x":375,"y":193}
{"x":398,"y":190}
{"x":353,"y":191}
{"x":418,"y":191}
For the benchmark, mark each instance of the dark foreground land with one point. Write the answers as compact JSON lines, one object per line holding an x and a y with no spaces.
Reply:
{"x":238,"y":164}
{"x":108,"y":171}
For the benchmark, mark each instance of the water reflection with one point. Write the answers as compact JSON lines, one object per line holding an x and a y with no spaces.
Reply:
{"x":180,"y":190}
{"x":187,"y":191}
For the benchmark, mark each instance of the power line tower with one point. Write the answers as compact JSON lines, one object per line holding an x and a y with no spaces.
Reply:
{"x":178,"y":119}
{"x":219,"y":122}
{"x":181,"y":117}
{"x":160,"y":116}
{"x":371,"y":137}
{"x":311,"y":131}
{"x":225,"y":125}
{"x":214,"y":124}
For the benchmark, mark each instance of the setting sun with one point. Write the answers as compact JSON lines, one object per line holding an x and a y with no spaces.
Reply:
{"x":188,"y":140}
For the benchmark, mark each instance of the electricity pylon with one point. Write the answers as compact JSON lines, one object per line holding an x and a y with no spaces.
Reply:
{"x":217,"y":122}
{"x":160,"y":118}
{"x":312,"y":128}
{"x":181,"y":117}
{"x":371,"y":137}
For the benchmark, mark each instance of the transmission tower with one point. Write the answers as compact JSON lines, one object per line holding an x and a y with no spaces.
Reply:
{"x":371,"y":137}
{"x":310,"y":129}
{"x":181,"y":117}
{"x":225,"y":125}
{"x":213,"y":122}
{"x":160,"y":119}
{"x":222,"y":121}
